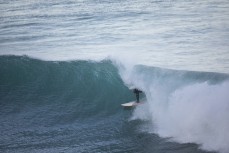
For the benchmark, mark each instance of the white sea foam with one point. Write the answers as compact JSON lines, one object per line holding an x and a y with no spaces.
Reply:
{"x":185,"y":111}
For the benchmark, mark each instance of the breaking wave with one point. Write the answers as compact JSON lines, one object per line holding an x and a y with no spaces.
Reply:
{"x":185,"y":106}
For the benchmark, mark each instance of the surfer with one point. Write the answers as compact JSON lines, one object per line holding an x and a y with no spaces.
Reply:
{"x":132,"y":104}
{"x":136,"y":91}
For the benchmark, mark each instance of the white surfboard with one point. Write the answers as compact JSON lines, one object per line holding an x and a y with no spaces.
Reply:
{"x":130,"y":104}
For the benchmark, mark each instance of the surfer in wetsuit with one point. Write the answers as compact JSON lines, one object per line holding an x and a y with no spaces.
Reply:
{"x":136,"y":91}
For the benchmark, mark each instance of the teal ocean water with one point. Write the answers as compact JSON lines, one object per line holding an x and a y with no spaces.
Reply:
{"x":76,"y":107}
{"x":67,"y":66}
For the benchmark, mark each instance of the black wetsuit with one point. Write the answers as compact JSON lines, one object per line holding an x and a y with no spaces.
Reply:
{"x":136,"y":91}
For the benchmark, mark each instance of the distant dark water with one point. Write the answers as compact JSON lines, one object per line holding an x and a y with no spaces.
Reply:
{"x":71,"y":107}
{"x":175,"y":34}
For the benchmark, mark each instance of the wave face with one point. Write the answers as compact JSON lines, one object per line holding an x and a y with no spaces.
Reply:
{"x":50,"y":106}
{"x":184,"y":106}
{"x":28,"y":82}
{"x":75,"y":107}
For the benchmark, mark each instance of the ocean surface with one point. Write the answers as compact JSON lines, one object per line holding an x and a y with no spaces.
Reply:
{"x":66,"y":67}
